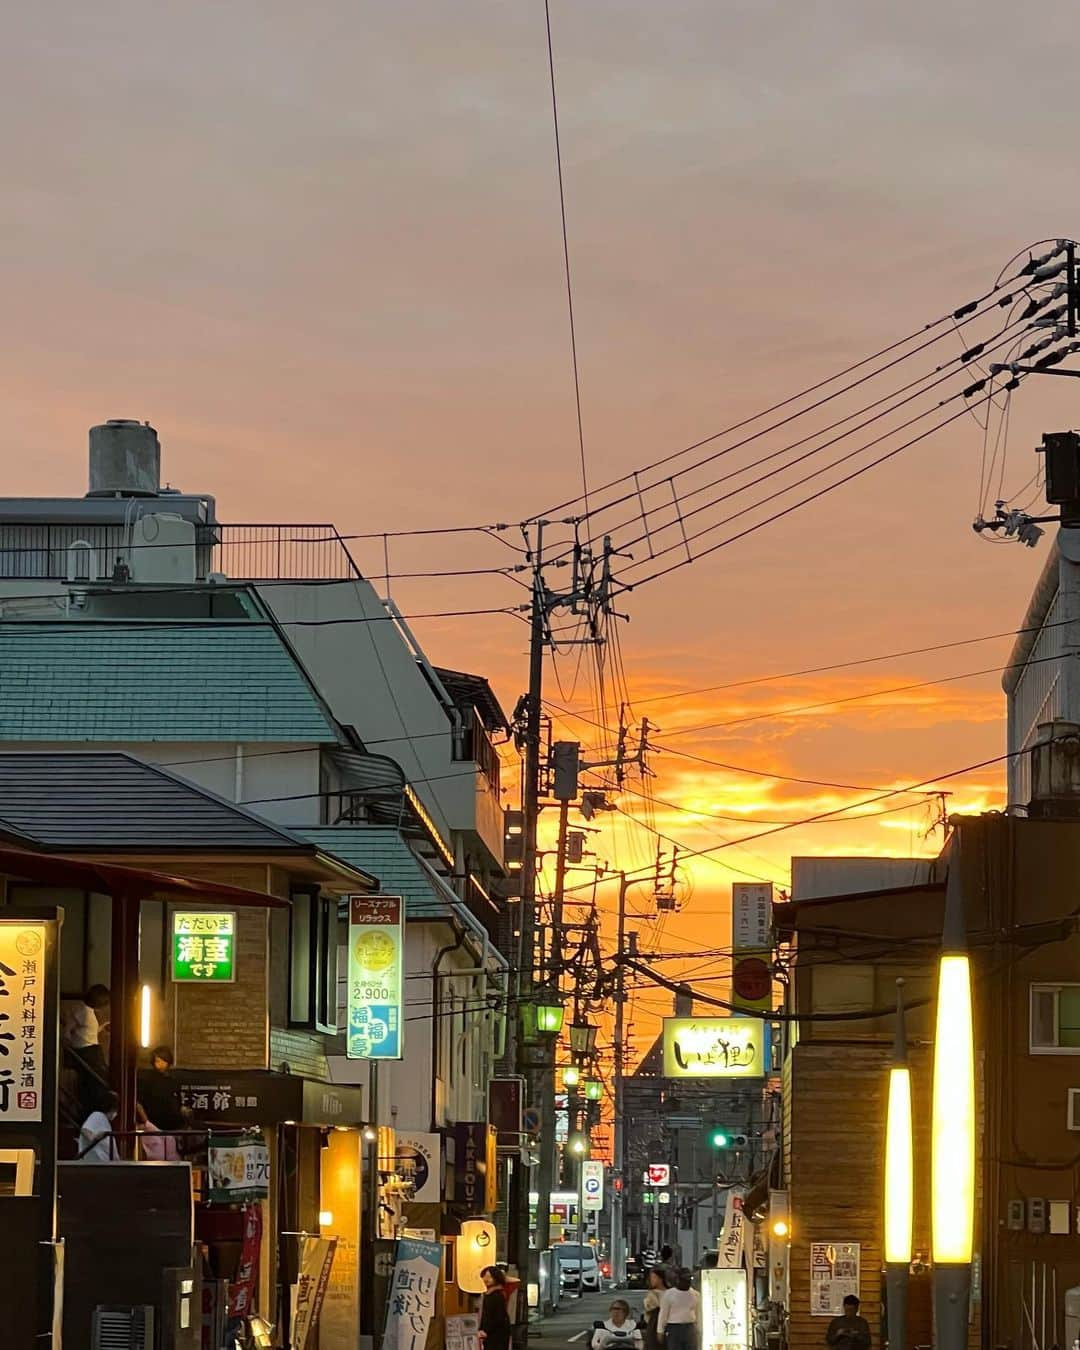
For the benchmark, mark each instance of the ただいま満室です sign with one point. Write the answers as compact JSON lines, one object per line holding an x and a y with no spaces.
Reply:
{"x":203,"y":948}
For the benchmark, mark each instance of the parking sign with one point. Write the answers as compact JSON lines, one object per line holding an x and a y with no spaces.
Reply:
{"x":592,"y":1184}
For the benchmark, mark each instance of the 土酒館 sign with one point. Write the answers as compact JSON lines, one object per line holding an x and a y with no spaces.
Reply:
{"x":714,"y":1047}
{"x":376,"y":960}
{"x":203,"y":947}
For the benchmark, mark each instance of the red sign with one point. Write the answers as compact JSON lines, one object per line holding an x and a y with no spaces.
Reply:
{"x":242,"y":1290}
{"x":752,"y":979}
{"x":659,"y":1174}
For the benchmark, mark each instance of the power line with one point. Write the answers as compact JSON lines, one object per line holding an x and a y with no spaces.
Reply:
{"x":8,"y":622}
{"x":566,"y":253}
{"x":846,"y":665}
{"x":872,"y":693}
{"x":969,"y":308}
{"x":822,"y":815}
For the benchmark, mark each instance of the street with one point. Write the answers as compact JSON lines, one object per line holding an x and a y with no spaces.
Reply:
{"x":572,"y":1321}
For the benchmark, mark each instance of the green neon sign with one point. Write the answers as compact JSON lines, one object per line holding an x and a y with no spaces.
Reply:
{"x":203,"y":947}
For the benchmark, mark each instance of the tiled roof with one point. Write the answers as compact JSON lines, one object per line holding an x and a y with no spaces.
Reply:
{"x":387,"y":856}
{"x":80,"y":800}
{"x":87,"y":681}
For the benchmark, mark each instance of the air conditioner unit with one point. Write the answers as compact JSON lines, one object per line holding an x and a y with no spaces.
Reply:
{"x":117,"y":1328}
{"x":1073,"y":1112}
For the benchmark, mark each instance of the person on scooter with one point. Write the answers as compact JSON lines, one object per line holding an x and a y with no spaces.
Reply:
{"x":618,"y":1330}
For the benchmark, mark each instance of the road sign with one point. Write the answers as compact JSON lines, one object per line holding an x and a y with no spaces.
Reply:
{"x":592,"y":1184}
{"x":530,"y":1120}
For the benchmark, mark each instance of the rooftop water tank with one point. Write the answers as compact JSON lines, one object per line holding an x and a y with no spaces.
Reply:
{"x":125,"y":459}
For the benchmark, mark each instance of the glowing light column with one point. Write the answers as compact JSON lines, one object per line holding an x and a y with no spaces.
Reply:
{"x":953,"y":1141}
{"x":899,"y":1183}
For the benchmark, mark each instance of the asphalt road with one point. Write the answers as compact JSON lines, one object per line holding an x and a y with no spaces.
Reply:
{"x":571,"y":1324}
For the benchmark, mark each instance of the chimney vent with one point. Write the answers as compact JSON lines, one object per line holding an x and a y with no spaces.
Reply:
{"x":1055,"y":771}
{"x":125,"y":459}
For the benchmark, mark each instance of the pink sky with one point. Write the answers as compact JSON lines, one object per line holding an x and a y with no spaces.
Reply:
{"x":318,"y":248}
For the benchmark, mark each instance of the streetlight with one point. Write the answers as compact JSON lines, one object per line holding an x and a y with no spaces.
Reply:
{"x":593,"y":1090}
{"x":578,"y":1144}
{"x":549,"y":1015}
{"x":582,"y":1038}
{"x":899,"y":1181}
{"x":953,"y":1125}
{"x":571,"y":1076}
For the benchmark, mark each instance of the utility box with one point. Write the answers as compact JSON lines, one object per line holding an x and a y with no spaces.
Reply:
{"x":1017,"y":1220}
{"x":1037,"y":1216}
{"x":1062,"y":451}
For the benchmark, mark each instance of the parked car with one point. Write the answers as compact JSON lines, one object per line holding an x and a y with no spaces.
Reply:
{"x":578,"y":1266}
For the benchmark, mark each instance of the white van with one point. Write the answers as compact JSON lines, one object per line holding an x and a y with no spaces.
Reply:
{"x":578,"y":1265}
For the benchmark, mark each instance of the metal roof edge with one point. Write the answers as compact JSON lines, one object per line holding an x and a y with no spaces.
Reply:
{"x":1042,"y":597}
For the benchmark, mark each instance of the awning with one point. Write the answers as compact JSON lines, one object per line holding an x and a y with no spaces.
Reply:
{"x":137,"y":882}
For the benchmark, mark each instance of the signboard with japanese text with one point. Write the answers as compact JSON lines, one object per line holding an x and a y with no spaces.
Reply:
{"x":239,"y":1169}
{"x":592,"y":1183}
{"x":22,"y":1021}
{"x":376,"y":959}
{"x":724,"y":1310}
{"x":714,"y":1047}
{"x":316,"y":1258}
{"x":834,"y":1274}
{"x":463,"y":1332}
{"x":733,"y":1238}
{"x":242,"y":1289}
{"x":751,"y":916}
{"x":410,"y":1304}
{"x":751,"y":981}
{"x":419,"y":1160}
{"x":203,"y":947}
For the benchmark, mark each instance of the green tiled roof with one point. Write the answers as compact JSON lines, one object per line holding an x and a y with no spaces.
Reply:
{"x":386,"y":855}
{"x":82,"y":681}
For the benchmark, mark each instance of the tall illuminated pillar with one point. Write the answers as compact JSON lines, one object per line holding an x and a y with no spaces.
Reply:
{"x":953,"y":1125}
{"x":899,"y":1183}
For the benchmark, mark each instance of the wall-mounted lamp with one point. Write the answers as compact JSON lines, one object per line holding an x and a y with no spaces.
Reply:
{"x":146,"y":1020}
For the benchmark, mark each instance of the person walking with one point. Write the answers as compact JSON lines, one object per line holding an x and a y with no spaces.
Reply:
{"x":657,"y":1282}
{"x":677,"y":1324}
{"x":850,"y":1331}
{"x":495,"y":1326}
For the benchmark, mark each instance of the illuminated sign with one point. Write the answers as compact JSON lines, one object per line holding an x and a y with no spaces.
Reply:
{"x":22,"y":1029}
{"x":659,"y":1174}
{"x":714,"y":1047}
{"x":592,"y":1184}
{"x":376,"y":958}
{"x":724,"y":1306}
{"x":203,"y":947}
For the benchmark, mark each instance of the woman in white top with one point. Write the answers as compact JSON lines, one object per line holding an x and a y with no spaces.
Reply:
{"x":96,"y":1142}
{"x":677,"y":1323}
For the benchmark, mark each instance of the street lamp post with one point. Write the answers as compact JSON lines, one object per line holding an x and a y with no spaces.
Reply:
{"x":899,"y":1183}
{"x":579,"y":1146}
{"x":953,"y":1125}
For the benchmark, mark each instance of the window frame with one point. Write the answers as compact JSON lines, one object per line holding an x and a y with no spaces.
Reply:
{"x":1049,"y":987}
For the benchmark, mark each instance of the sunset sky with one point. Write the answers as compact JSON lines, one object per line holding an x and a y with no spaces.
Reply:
{"x":319,"y":248}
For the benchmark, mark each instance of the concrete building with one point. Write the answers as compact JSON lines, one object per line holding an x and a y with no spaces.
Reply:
{"x":845,"y":952}
{"x":256,"y":662}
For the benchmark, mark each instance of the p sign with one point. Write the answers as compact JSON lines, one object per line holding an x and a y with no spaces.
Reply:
{"x":659,"y":1174}
{"x":592,"y":1184}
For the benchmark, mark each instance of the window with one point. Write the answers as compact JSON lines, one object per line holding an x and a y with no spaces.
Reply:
{"x":1055,"y":1019}
{"x":313,"y":961}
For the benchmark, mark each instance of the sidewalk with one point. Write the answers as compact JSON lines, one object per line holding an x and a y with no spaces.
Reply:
{"x":572,"y":1321}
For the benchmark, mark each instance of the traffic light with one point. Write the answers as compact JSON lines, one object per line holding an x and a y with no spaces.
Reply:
{"x":565,"y":765}
{"x":719,"y":1138}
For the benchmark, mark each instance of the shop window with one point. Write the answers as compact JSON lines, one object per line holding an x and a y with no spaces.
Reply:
{"x":314,"y":939}
{"x":1055,"y":1019}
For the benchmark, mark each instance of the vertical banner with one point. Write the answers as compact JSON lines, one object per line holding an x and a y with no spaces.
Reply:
{"x":376,"y":976}
{"x":316,"y":1258}
{"x":751,"y":916}
{"x":733,"y":1238}
{"x":242,"y":1289}
{"x":413,"y":1286}
{"x":22,"y":1022}
{"x":724,"y":1321}
{"x":475,"y":1176}
{"x":592,"y":1183}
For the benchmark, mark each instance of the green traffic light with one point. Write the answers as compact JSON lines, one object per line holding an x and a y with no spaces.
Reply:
{"x":719,"y":1139}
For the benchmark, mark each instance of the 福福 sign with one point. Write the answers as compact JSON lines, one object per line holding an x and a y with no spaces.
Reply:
{"x":22,"y":1021}
{"x":203,"y":946}
{"x":376,"y":958}
{"x":714,"y":1047}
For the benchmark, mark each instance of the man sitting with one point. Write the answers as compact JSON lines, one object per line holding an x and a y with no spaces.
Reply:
{"x":619,"y":1329}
